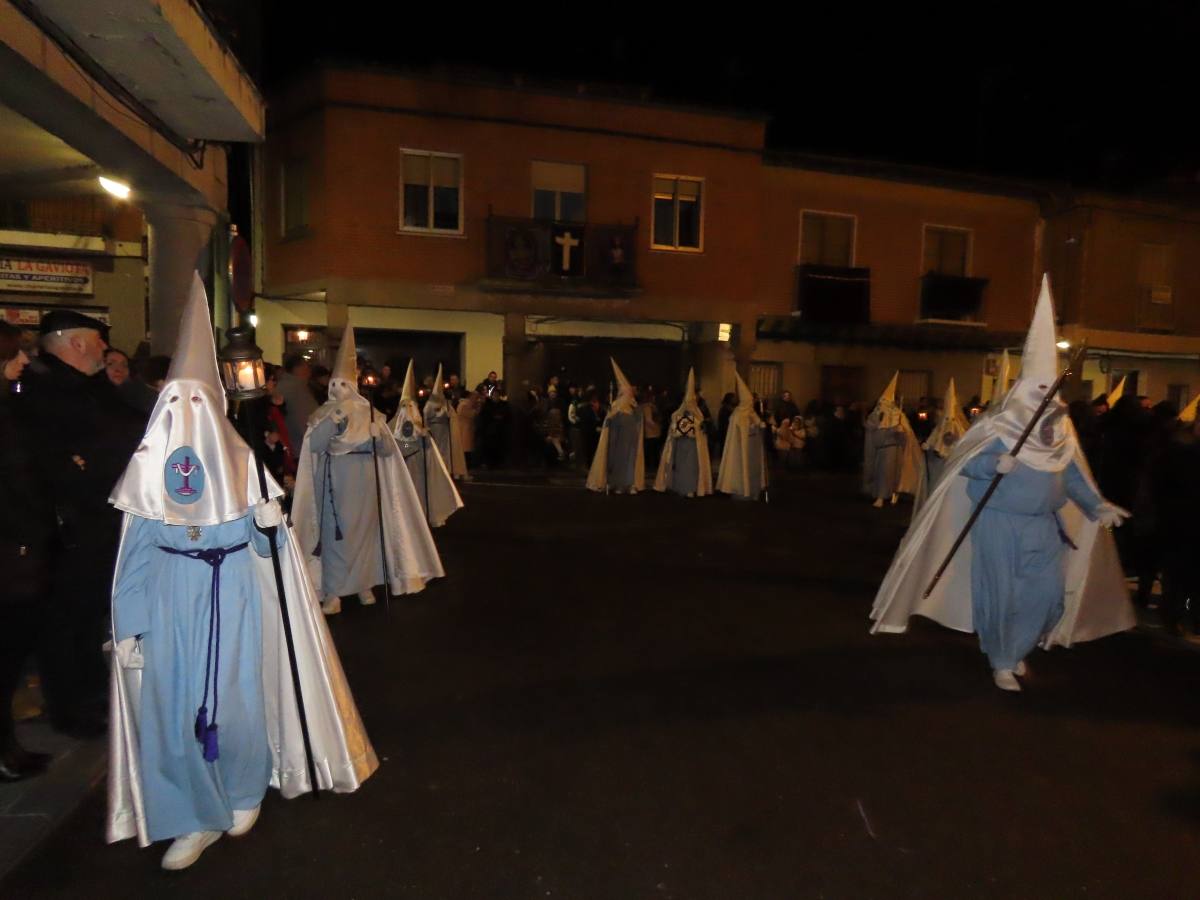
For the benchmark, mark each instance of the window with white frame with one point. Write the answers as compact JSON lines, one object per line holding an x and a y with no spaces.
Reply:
{"x":293,"y":197}
{"x":947,"y":251}
{"x":826,"y":239}
{"x":430,"y":192}
{"x":559,"y":191}
{"x":678,"y":213}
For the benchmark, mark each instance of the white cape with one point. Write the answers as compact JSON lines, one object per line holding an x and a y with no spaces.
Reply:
{"x":597,"y":479}
{"x":733,"y":476}
{"x":440,"y":498}
{"x":412,"y":557}
{"x":1096,"y":599}
{"x":342,"y":751}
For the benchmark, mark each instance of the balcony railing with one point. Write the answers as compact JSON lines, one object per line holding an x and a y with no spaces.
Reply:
{"x":561,"y":257}
{"x":952,"y":298}
{"x":833,"y":295}
{"x":1156,"y":309}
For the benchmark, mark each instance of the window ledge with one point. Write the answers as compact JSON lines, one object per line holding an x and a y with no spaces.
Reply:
{"x":429,"y":232}
{"x":297,"y":234}
{"x":958,"y":323}
{"x":686,"y":251}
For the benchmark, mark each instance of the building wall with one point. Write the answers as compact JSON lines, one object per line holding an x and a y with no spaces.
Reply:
{"x":889,"y":240}
{"x":355,"y":142}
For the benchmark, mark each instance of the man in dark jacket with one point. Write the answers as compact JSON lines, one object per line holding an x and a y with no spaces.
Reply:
{"x":85,"y":434}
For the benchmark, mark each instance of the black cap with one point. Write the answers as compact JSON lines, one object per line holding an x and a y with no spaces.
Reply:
{"x":66,"y":319}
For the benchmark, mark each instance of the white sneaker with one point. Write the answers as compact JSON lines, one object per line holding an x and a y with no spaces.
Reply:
{"x":1021,"y":669}
{"x":878,"y":504}
{"x":895,"y":499}
{"x":366,"y":598}
{"x":187,"y":849}
{"x":1006,"y":680}
{"x":332,"y":605}
{"x":243,"y":821}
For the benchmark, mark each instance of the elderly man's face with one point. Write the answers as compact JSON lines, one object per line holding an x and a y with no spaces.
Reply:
{"x":117,"y":367}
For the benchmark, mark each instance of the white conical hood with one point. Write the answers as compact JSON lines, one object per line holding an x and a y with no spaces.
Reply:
{"x":438,"y":393}
{"x":408,"y":391}
{"x":192,"y":467}
{"x":690,"y":402}
{"x":1051,"y":445}
{"x":951,"y":426}
{"x":624,"y":402}
{"x":886,"y":413}
{"x":745,"y":397}
{"x":408,"y":422}
{"x":436,"y":407}
{"x":1002,"y":377}
{"x":345,"y":404}
{"x":1117,"y":393}
{"x":195,"y":356}
{"x":1188,"y":414}
{"x":345,"y":369}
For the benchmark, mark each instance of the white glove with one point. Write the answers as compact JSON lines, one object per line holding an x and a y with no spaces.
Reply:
{"x":1110,"y":515}
{"x":129,"y":653}
{"x":268,"y":514}
{"x":1006,"y":464}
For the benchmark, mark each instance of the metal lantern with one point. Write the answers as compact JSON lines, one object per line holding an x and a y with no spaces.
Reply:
{"x":242,"y":367}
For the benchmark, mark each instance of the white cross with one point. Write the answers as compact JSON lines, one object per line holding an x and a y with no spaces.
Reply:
{"x":566,"y":242}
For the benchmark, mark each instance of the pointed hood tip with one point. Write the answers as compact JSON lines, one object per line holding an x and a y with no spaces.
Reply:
{"x":195,"y":356}
{"x":1039,"y":360}
{"x":346,"y":365}
{"x":408,"y":392}
{"x":622,"y":381}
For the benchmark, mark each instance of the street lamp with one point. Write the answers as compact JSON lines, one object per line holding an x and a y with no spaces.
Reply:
{"x":242,"y":367}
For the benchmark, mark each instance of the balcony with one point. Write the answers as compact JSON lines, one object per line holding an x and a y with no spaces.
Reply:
{"x":1156,"y":309}
{"x":566,"y":258}
{"x":952,"y":298}
{"x":833,"y":295}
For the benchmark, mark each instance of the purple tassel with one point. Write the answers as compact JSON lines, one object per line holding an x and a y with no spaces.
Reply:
{"x":337,"y":532}
{"x":317,"y":550}
{"x":201,"y":723}
{"x":210,"y":744}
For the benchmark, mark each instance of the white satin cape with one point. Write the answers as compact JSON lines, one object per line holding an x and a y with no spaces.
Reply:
{"x":1096,"y":600}
{"x":412,"y":557}
{"x":597,"y":479}
{"x":704,"y":480}
{"x":444,"y":499}
{"x":733,"y":476}
{"x":342,"y":751}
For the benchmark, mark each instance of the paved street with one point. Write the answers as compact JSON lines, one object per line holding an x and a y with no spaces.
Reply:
{"x":615,"y":698}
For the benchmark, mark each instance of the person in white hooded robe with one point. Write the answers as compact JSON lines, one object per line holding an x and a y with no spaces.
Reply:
{"x":951,"y":426}
{"x":684,"y":467}
{"x":336,"y":508}
{"x":433,"y":484}
{"x":619,"y":464}
{"x":1036,"y":566}
{"x":204,"y":711}
{"x":892,"y":460}
{"x":445,"y":428}
{"x":743,"y":469}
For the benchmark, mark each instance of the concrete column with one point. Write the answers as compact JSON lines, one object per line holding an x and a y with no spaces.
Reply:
{"x":177,"y":235}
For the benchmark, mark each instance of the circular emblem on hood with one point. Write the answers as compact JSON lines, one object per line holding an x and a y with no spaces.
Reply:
{"x":406,"y":430}
{"x":184,"y":476}
{"x":685,"y":425}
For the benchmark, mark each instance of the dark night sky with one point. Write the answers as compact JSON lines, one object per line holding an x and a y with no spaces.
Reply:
{"x":1056,"y":91}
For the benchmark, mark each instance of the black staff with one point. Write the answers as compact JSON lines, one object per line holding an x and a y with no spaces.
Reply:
{"x":387,"y":588}
{"x":247,"y":427}
{"x":1054,"y":388}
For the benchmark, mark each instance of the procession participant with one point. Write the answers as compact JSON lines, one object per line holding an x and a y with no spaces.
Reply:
{"x":892,"y":463}
{"x":743,"y":469}
{"x":950,"y":427}
{"x":432,"y":483}
{"x":445,"y":429}
{"x":350,"y":469}
{"x":619,"y":463}
{"x":205,"y":715}
{"x":1036,"y":566}
{"x":685,"y":468}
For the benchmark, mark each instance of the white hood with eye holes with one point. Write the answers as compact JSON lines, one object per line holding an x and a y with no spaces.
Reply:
{"x":192,"y":467}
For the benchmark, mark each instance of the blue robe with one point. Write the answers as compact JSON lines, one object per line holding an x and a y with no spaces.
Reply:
{"x":166,"y":598}
{"x":345,"y":489}
{"x":685,"y":465}
{"x":1017,"y":571}
{"x":624,"y":439}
